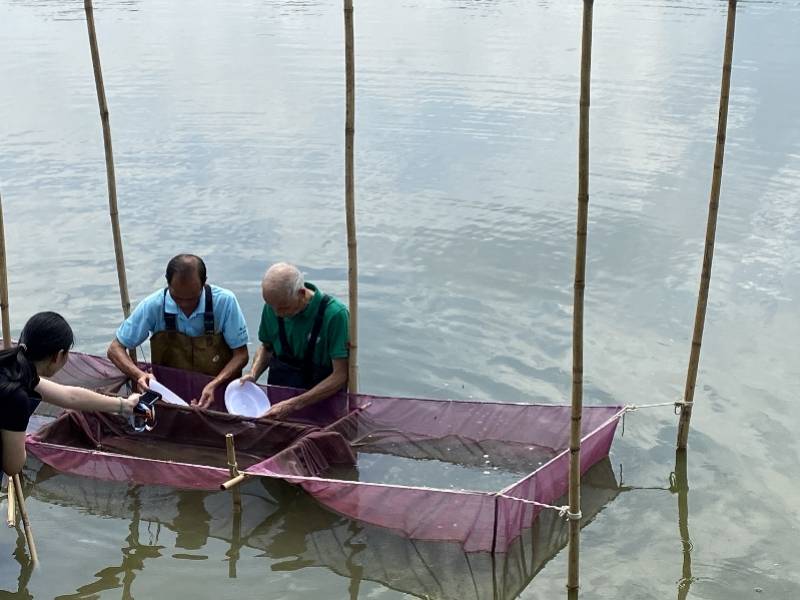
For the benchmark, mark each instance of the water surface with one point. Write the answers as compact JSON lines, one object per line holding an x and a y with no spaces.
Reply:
{"x":227,"y":123}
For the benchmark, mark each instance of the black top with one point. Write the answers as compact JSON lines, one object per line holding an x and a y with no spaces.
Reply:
{"x":16,"y":409}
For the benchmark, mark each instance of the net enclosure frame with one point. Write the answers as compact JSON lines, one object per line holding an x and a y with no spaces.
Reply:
{"x":301,"y":451}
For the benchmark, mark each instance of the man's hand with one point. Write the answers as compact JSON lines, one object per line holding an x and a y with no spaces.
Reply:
{"x":206,"y":397}
{"x":143,"y":382}
{"x":281,"y":410}
{"x":247,"y":377}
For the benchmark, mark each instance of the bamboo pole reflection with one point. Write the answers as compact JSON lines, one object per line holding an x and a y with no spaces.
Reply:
{"x":679,"y":484}
{"x":25,"y":571}
{"x":236,"y":540}
{"x":133,"y":556}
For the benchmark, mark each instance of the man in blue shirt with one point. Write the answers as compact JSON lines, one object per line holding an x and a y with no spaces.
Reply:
{"x":193,"y":326}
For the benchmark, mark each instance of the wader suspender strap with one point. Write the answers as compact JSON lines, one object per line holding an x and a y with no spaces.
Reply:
{"x":287,"y":349}
{"x":308,"y":360}
{"x":171,"y":319}
{"x":308,"y":363}
{"x":208,"y":315}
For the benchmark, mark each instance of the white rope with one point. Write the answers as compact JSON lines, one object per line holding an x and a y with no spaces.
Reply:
{"x":635,"y":407}
{"x":563,"y":511}
{"x":677,"y":404}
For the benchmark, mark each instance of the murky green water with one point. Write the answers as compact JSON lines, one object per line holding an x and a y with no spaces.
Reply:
{"x":228,"y":134}
{"x":398,"y":470}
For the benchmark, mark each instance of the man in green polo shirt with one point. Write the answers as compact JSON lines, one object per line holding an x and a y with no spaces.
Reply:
{"x":304,"y":339}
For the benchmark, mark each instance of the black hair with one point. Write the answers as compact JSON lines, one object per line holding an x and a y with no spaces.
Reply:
{"x":44,"y":335}
{"x":186,"y":265}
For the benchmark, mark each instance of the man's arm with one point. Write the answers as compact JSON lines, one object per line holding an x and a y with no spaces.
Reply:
{"x":118,"y":354}
{"x":324,"y":389}
{"x":228,"y":372}
{"x":260,"y":364}
{"x":134,"y":331}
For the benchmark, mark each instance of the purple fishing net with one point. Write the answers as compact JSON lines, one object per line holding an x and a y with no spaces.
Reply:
{"x":464,"y":472}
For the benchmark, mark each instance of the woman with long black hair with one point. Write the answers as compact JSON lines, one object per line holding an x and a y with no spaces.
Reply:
{"x":42,"y":351}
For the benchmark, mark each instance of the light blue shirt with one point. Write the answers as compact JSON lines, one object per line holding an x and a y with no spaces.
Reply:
{"x":148,"y":318}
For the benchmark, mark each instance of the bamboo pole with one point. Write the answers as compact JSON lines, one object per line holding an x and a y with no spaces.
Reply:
{"x":577,"y":314}
{"x":26,"y":523}
{"x":4,"y":284}
{"x":110,"y":176}
{"x":15,"y":498}
{"x":233,"y":482}
{"x":233,"y":468}
{"x":349,"y":194}
{"x":711,"y":230}
{"x":11,"y":518}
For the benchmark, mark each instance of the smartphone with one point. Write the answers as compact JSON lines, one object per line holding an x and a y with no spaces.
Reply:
{"x":148,"y":399}
{"x":144,"y":413}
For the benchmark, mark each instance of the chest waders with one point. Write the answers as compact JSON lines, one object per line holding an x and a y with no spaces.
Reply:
{"x":290,"y":371}
{"x":207,"y":353}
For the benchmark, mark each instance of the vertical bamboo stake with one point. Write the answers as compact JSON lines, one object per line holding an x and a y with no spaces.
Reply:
{"x":577,"y":314}
{"x":15,"y":497}
{"x":4,"y":286}
{"x":26,"y":523}
{"x":711,"y":231}
{"x":111,"y":178}
{"x":12,"y":511}
{"x":349,"y":193}
{"x":233,"y":468}
{"x":11,"y":518}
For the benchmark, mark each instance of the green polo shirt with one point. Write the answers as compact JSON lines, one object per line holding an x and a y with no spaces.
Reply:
{"x":333,"y":338}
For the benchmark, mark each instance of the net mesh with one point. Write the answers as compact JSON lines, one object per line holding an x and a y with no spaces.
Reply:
{"x":445,"y":471}
{"x":296,"y":533}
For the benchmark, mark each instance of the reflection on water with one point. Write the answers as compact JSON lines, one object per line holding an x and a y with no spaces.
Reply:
{"x":25,"y":571}
{"x":134,"y":555}
{"x":297,"y":533}
{"x":679,"y":484}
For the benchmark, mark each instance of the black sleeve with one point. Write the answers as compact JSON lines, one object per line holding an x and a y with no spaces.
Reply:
{"x":14,"y":411}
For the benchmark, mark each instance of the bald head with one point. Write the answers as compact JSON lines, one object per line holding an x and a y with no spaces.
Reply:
{"x":283,"y":288}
